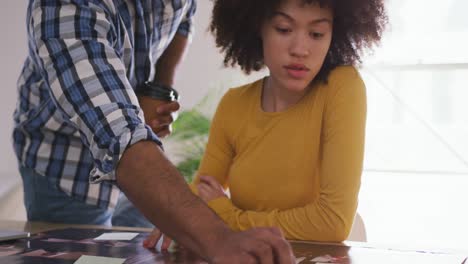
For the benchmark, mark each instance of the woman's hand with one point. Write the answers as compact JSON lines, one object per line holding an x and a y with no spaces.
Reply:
{"x":152,"y":241}
{"x":209,"y":189}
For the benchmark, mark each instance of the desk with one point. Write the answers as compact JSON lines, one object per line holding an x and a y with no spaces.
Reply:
{"x":355,"y":253}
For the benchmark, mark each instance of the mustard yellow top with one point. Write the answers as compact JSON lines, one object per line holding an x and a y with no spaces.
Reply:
{"x":298,"y":169}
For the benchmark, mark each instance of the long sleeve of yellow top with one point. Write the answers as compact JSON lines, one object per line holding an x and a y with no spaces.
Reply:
{"x":298,"y":169}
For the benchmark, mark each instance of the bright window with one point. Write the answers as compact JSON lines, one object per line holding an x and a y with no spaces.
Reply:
{"x":416,"y":166}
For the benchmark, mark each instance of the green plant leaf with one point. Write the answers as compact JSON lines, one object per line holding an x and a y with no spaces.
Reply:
{"x":190,"y":124}
{"x":188,"y":167}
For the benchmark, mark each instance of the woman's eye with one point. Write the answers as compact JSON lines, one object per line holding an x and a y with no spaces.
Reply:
{"x":283,"y":30}
{"x":317,"y":35}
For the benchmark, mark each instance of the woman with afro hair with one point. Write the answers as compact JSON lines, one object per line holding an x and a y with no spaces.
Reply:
{"x":290,"y":146}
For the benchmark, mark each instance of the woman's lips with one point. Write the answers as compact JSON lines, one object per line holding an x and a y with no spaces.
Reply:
{"x":297,"y":71}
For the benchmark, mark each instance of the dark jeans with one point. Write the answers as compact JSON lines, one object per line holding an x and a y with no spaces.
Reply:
{"x":45,"y":202}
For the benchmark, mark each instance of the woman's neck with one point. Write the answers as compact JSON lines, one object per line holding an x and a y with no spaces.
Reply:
{"x":276,"y":98}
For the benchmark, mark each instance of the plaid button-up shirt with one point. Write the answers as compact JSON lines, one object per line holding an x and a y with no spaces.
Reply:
{"x":77,"y":111}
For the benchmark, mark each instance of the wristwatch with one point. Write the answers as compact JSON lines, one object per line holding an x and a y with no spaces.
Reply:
{"x":158,"y":91}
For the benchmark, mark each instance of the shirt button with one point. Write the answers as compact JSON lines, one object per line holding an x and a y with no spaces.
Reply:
{"x":107,"y":158}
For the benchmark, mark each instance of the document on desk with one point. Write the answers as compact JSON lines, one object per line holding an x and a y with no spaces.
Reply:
{"x":98,"y":260}
{"x":12,"y":235}
{"x":127,"y":236}
{"x":299,"y":260}
{"x":374,"y":255}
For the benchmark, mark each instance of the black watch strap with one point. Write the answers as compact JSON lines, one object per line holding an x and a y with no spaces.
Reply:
{"x":158,"y":91}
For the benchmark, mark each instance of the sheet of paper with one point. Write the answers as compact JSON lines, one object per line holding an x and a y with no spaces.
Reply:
{"x":159,"y":244}
{"x":299,"y":260}
{"x":172,"y":245}
{"x":117,"y":236}
{"x":12,"y":235}
{"x":323,"y":259}
{"x":99,"y":260}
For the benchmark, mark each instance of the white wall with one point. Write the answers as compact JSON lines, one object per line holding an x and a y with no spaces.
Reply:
{"x":202,"y":68}
{"x":12,"y":53}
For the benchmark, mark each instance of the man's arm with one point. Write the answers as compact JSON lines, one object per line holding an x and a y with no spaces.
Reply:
{"x":171,"y":58}
{"x":174,"y":53}
{"x":166,"y":68}
{"x":153,"y":184}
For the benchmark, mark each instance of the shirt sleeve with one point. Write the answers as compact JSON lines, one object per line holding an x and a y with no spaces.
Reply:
{"x":186,"y":25}
{"x":331,"y":216}
{"x":87,"y":79}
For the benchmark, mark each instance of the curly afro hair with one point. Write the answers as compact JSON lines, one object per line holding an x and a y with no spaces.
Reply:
{"x":235,"y":24}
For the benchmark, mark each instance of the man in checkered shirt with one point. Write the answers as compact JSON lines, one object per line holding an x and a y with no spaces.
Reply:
{"x":80,"y":135}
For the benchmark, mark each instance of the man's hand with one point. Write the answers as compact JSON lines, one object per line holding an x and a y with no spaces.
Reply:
{"x":258,"y":245}
{"x":167,"y":113}
{"x":159,"y":116}
{"x":209,"y":189}
{"x":155,"y":186}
